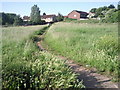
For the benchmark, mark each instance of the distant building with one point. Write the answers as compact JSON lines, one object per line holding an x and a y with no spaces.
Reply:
{"x":91,"y":15}
{"x":80,"y":15}
{"x":65,"y":16}
{"x":49,"y":18}
{"x":26,"y":18}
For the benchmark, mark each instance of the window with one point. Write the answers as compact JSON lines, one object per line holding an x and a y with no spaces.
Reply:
{"x":74,"y":15}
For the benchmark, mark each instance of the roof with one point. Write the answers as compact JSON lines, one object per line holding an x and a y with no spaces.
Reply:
{"x":78,"y":12}
{"x":26,"y":18}
{"x":47,"y":16}
{"x":65,"y":16}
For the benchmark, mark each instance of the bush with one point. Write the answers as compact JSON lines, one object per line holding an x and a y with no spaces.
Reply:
{"x":108,"y":44}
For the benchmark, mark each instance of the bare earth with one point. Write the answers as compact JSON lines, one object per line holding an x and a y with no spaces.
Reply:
{"x":90,"y":78}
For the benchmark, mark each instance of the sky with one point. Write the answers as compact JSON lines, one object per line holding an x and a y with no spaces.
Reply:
{"x":24,"y":8}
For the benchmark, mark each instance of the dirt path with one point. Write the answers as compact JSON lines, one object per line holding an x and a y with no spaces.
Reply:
{"x":90,"y":78}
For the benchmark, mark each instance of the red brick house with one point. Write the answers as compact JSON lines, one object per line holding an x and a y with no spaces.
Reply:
{"x":77,"y":15}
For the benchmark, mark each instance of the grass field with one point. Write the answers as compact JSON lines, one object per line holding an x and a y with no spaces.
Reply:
{"x":93,"y":45}
{"x":25,"y":67}
{"x":81,"y":21}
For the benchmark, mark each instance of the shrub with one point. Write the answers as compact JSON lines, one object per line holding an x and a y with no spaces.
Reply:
{"x":108,"y":44}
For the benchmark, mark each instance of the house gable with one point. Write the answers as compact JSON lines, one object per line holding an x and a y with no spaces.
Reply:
{"x":77,"y":14}
{"x":48,"y":18}
{"x":74,"y":15}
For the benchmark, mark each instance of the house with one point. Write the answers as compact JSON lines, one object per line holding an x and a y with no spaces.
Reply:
{"x":91,"y":15}
{"x":65,"y":16}
{"x":79,"y":15}
{"x":26,"y":18}
{"x":49,"y":18}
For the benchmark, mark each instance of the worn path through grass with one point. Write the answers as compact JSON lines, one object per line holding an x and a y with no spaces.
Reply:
{"x":91,"y":79}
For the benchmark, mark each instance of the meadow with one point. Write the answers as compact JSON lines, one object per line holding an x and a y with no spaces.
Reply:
{"x":89,"y":44}
{"x":24,"y":66}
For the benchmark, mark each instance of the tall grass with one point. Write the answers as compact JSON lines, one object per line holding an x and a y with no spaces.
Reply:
{"x":25,"y":67}
{"x":81,"y":21}
{"x":94,"y":45}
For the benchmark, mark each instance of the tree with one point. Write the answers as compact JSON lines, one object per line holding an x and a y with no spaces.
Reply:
{"x":4,"y":18}
{"x":35,"y":15}
{"x":44,"y":13}
{"x":11,"y":17}
{"x":60,"y":17}
{"x":111,"y":16}
{"x":17,"y":20}
{"x":93,"y":10}
{"x":99,"y":11}
{"x":118,"y":5}
{"x":7,"y":18}
{"x":105,"y":8}
{"x":111,"y":6}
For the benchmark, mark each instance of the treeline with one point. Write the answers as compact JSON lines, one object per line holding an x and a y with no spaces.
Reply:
{"x":107,"y":13}
{"x":35,"y":17}
{"x":10,"y":19}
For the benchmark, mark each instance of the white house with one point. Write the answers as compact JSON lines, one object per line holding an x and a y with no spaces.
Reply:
{"x":49,"y":18}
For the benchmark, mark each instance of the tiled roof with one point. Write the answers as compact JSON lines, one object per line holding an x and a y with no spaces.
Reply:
{"x":80,"y":11}
{"x":26,"y":18}
{"x":47,"y":16}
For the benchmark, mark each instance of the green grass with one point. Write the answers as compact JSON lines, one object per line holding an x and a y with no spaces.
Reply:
{"x":94,"y":45}
{"x":81,"y":21}
{"x":25,"y":67}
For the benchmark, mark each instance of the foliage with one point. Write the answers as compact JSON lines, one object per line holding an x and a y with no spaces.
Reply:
{"x":118,"y":6}
{"x":94,"y":45}
{"x":93,"y":10}
{"x":111,"y":16}
{"x":35,"y":15}
{"x":18,"y":21}
{"x":44,"y":13}
{"x":107,"y":14}
{"x":60,"y":17}
{"x":69,"y":20}
{"x":25,"y":67}
{"x":10,"y":19}
{"x":111,"y":6}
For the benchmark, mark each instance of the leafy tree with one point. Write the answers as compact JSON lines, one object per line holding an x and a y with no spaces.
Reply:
{"x":99,"y":11}
{"x":11,"y":17}
{"x":111,"y":6}
{"x":60,"y":17}
{"x":44,"y":13}
{"x":111,"y":16}
{"x":118,"y":5}
{"x":35,"y":15}
{"x":93,"y":10}
{"x":17,"y":20}
{"x":105,"y":8}
{"x":4,"y":18}
{"x":7,"y":18}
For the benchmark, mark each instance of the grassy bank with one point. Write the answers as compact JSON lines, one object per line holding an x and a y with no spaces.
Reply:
{"x":25,"y":67}
{"x":93,"y":45}
{"x":81,"y":21}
